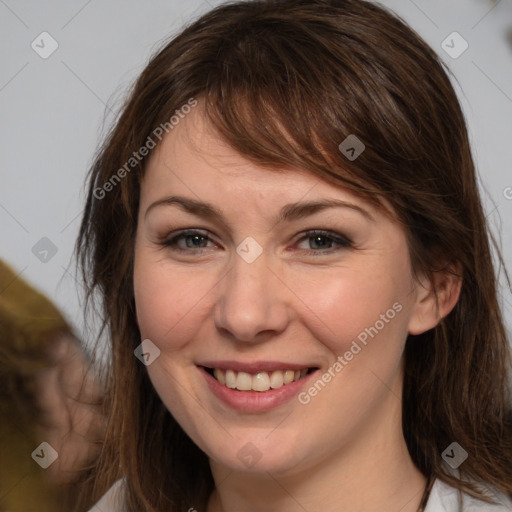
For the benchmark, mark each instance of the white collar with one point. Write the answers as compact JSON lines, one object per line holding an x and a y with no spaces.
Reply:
{"x":444,"y":498}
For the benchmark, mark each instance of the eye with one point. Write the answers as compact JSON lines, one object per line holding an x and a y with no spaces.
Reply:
{"x":193,"y":240}
{"x":322,"y":242}
{"x":319,"y":242}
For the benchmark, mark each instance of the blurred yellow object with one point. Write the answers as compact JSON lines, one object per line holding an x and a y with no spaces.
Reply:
{"x":29,"y":323}
{"x":26,"y":314}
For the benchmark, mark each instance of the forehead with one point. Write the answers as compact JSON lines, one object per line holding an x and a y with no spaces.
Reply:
{"x":196,"y":145}
{"x":193,"y":158}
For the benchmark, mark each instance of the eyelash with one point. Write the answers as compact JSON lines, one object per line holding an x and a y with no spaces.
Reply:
{"x":342,"y":241}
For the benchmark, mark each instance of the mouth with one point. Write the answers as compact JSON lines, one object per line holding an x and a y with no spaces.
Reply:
{"x":260,"y":381}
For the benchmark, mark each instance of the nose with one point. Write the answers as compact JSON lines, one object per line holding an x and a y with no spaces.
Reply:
{"x":252,"y":304}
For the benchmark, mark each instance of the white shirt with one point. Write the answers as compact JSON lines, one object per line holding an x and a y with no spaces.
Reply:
{"x":443,"y":498}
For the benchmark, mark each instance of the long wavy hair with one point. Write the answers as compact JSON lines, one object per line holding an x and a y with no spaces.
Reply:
{"x":284,"y":82}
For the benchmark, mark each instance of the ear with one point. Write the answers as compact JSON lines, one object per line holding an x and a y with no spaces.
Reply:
{"x":436,"y":297}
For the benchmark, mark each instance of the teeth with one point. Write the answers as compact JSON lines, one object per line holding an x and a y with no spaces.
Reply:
{"x":262,"y":381}
{"x":243,"y":381}
{"x":230,"y":379}
{"x":289,"y":375}
{"x":219,"y":376}
{"x":276,"y":380}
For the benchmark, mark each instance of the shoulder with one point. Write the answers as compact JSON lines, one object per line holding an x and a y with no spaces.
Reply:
{"x":112,"y":501}
{"x":444,"y":498}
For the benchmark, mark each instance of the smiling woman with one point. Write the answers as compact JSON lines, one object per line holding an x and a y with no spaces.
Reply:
{"x":295,"y":236}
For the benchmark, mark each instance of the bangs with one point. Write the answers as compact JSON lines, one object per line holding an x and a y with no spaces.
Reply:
{"x":285,"y":90}
{"x":283,"y":101}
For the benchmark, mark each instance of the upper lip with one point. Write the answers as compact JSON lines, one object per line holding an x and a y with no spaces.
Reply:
{"x":254,"y":366}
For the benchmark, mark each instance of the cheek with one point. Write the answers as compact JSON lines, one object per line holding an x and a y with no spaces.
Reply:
{"x":166,"y":300}
{"x":355,"y":302}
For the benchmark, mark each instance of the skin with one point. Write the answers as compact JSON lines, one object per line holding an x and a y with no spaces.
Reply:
{"x":298,"y":302}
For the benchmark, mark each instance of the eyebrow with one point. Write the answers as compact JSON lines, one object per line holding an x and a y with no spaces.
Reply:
{"x":288,"y":213}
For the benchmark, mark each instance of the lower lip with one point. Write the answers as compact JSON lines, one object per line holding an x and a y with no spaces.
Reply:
{"x":255,"y":401}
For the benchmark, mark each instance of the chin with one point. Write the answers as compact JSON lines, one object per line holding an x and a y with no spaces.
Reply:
{"x":255,"y":454}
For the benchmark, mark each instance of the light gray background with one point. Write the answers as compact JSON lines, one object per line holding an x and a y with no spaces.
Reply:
{"x":53,"y":110}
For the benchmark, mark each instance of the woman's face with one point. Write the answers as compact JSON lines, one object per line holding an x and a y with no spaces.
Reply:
{"x":247,"y":279}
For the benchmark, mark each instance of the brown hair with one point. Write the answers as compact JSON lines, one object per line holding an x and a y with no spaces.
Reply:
{"x":284,"y":83}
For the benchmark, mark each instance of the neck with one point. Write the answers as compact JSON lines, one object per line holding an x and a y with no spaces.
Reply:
{"x":372,"y":471}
